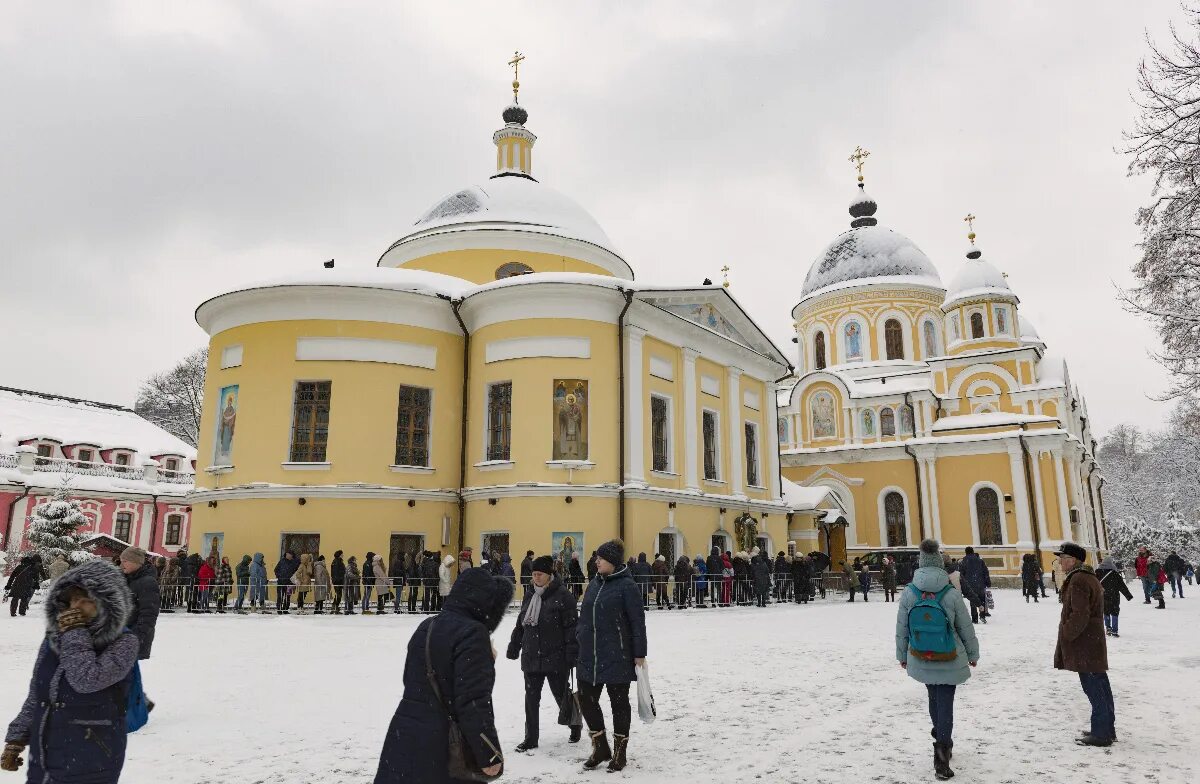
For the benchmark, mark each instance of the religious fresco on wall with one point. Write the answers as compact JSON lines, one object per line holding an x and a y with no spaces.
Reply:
{"x":906,"y":419}
{"x":853,"y":333}
{"x":565,"y":543}
{"x":824,"y":424}
{"x":707,"y":315}
{"x":1002,"y":320}
{"x":227,"y":404}
{"x":930,"y":339}
{"x":213,"y":546}
{"x":783,"y":431}
{"x":868,"y":423}
{"x":570,"y":419}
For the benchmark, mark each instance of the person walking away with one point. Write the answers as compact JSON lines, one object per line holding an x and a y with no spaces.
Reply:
{"x":322,"y":585}
{"x":22,"y":584}
{"x":1029,"y":577}
{"x":141,"y":578}
{"x":303,"y":580}
{"x":368,"y":581}
{"x":659,"y":576}
{"x":783,"y":577}
{"x":761,"y":574}
{"x":58,"y":566}
{"x":205,"y":578}
{"x":337,"y":575}
{"x":191,"y":577}
{"x":715,"y":569}
{"x":526,"y":571}
{"x":396,"y":580}
{"x":352,"y":587}
{"x":258,"y":583}
{"x":224,"y":584}
{"x":1141,"y":564}
{"x":743,"y":589}
{"x":429,"y":581}
{"x":683,"y":581}
{"x":612,"y":644}
{"x":72,"y":720}
{"x":801,"y":578}
{"x":450,"y":664}
{"x":591,"y":567}
{"x":700,"y":577}
{"x":851,"y":579}
{"x":864,"y":580}
{"x":1176,"y":567}
{"x":975,"y":581}
{"x":446,"y":576}
{"x":887,"y":576}
{"x":1158,"y":578}
{"x":382,"y":585}
{"x":643,"y":576}
{"x":575,"y":576}
{"x":169,"y":585}
{"x":283,"y":582}
{"x":544,"y":640}
{"x":726,"y":579}
{"x":412,"y":577}
{"x":1081,"y":645}
{"x":243,"y":584}
{"x":936,"y":646}
{"x":506,"y":569}
{"x":1113,"y":583}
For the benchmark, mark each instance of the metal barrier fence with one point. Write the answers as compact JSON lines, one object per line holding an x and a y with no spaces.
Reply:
{"x":424,"y":596}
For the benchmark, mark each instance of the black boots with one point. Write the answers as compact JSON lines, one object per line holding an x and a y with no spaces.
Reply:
{"x":576,"y":734}
{"x":600,"y":750}
{"x":620,"y":745}
{"x":941,"y":762}
{"x":526,"y":745}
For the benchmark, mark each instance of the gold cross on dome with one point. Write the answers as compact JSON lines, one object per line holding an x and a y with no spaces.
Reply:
{"x":516,"y":66}
{"x":970,"y":221}
{"x":858,"y":159}
{"x":725,"y":272}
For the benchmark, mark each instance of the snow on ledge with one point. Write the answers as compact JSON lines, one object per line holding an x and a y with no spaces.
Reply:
{"x":988,"y":420}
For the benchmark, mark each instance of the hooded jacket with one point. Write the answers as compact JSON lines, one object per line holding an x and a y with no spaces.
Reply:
{"x":506,"y":569}
{"x":353,"y":590}
{"x":701,"y":571}
{"x":641,"y":570}
{"x":550,"y":645}
{"x":612,"y":629}
{"x":143,"y":616}
{"x":322,"y":583}
{"x":368,"y":576}
{"x":379,"y":571}
{"x":1113,"y":584}
{"x":445,"y":578}
{"x":243,"y":571}
{"x":760,"y":571}
{"x":337,"y":571}
{"x":931,"y":579}
{"x":285,"y":569}
{"x":660,"y":570}
{"x":258,"y":572}
{"x":205,"y":576}
{"x":73,"y":718}
{"x":975,"y":575}
{"x":683,"y":572}
{"x":713,"y":564}
{"x":302,"y":578}
{"x":460,"y":654}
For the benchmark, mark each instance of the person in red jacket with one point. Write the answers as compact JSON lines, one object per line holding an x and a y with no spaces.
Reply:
{"x":727,"y":579}
{"x":1142,"y":564}
{"x":204,"y":580}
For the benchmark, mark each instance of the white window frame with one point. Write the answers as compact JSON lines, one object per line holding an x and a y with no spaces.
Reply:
{"x":882,"y":512}
{"x":428,"y":434}
{"x":716,"y":444}
{"x":975,"y":488}
{"x":983,"y":317}
{"x":670,"y":433}
{"x":746,"y":423}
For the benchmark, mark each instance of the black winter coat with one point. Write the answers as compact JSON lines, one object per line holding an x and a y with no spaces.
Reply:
{"x":683,"y":571}
{"x":781,"y":566}
{"x":975,"y":575}
{"x":1113,"y":583}
{"x":714,"y":564}
{"x":549,"y":646}
{"x":429,"y":572}
{"x":801,"y":571}
{"x":761,"y":571}
{"x":527,"y":569}
{"x":284,"y":571}
{"x":611,"y":630}
{"x":415,"y":749}
{"x":1174,"y":564}
{"x":1029,"y":570}
{"x":641,"y":571}
{"x":25,"y":579}
{"x":337,"y":572}
{"x":143,"y":584}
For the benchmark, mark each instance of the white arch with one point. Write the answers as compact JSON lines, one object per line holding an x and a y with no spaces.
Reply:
{"x":906,"y":329}
{"x":984,"y":320}
{"x":679,"y":544}
{"x":975,"y":488}
{"x":938,"y":341}
{"x":883,"y":517}
{"x":975,"y":370}
{"x":982,"y":387}
{"x":846,"y":498}
{"x":810,"y":336}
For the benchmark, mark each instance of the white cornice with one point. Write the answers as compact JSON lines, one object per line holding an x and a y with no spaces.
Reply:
{"x":542,"y":300}
{"x":255,"y":491}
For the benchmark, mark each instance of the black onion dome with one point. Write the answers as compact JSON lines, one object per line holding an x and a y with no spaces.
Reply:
{"x":862,"y":209}
{"x":516,"y":114}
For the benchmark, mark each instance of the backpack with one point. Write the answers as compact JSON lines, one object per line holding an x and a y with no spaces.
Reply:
{"x":137,"y":712}
{"x":930,"y":636}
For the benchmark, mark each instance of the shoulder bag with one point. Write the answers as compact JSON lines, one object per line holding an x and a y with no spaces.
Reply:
{"x":460,"y":762}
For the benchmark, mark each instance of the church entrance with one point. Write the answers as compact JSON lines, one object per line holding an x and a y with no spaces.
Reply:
{"x":666,"y":548}
{"x":298,"y":544}
{"x":406,"y":544}
{"x":494,"y":542}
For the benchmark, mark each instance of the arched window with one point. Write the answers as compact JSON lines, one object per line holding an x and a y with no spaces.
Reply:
{"x":887,"y":422}
{"x":931,"y":345}
{"x":852,"y":337}
{"x":512,"y":269}
{"x":819,"y":351}
{"x":893,"y":338}
{"x":906,"y":419}
{"x":976,"y":325}
{"x":893,"y":513}
{"x":987,"y":513}
{"x":868,"y":423}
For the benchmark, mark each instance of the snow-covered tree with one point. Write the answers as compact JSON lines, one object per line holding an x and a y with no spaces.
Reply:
{"x":1163,"y":143}
{"x":54,"y":527}
{"x":173,"y":399}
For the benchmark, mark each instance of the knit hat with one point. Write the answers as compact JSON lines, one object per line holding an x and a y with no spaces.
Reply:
{"x":612,"y":551}
{"x":544,"y":564}
{"x":929,"y":556}
{"x":134,"y":555}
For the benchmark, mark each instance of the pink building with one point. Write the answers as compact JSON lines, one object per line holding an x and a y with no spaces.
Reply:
{"x":131,"y":477}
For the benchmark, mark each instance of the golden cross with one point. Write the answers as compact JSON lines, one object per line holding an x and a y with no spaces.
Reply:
{"x":970,"y":221}
{"x":516,"y":66}
{"x":858,"y":159}
{"x":725,"y":272}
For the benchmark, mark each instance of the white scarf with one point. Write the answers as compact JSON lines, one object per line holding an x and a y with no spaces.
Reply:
{"x":534,"y":610}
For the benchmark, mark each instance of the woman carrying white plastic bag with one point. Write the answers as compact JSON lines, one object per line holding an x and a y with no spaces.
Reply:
{"x":645,"y":697}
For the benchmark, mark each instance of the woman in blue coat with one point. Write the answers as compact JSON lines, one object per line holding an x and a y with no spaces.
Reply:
{"x":459,"y":648}
{"x":612,"y":642}
{"x":940,"y":677}
{"x":73,"y":719}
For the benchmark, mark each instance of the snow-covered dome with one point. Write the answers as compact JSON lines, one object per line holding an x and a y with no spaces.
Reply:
{"x":510,"y":206}
{"x":1029,"y":333}
{"x":977,"y":279}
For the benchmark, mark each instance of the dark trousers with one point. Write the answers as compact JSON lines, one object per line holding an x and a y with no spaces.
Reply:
{"x":618,"y":698}
{"x":241,"y":596}
{"x":283,"y":599}
{"x":941,"y":712}
{"x":1104,"y":711}
{"x":412,"y":597}
{"x":18,"y":605}
{"x":661,"y":596}
{"x":337,"y":598}
{"x":533,"y":698}
{"x":681,"y":594}
{"x":1176,"y":580}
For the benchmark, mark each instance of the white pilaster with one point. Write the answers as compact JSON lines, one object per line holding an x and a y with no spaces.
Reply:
{"x":935,"y":506}
{"x":736,"y":435}
{"x":1016,"y":459}
{"x":1071,"y":466}
{"x":635,"y":466}
{"x":1039,"y":497}
{"x":691,"y":446}
{"x":772,"y":442}
{"x":926,"y":502}
{"x":1060,"y":485}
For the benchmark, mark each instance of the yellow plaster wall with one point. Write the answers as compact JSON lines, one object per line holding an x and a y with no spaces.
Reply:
{"x":955,"y":477}
{"x":876,"y":475}
{"x":480,"y":265}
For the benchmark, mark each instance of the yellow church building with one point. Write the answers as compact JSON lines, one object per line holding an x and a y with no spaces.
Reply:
{"x":933,"y":410}
{"x":498,"y":382}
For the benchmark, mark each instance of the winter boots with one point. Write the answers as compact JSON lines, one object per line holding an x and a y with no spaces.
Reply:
{"x":1162,"y":605}
{"x":526,"y":745}
{"x":941,"y":762}
{"x":600,"y":750}
{"x":620,"y":746}
{"x":576,"y":734}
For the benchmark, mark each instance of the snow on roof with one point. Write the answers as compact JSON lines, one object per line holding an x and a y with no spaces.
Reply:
{"x":1028,"y":331}
{"x":977,"y":278}
{"x":869,"y":252}
{"x":386,"y":278}
{"x":995,"y":419}
{"x":800,"y":498}
{"x":25,"y":415}
{"x":1052,"y":370}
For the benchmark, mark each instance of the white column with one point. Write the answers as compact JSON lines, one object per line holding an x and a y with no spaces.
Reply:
{"x":935,"y":506}
{"x":847,"y":425}
{"x":1072,"y":469}
{"x":1039,"y":497}
{"x":1016,"y":459}
{"x":772,"y":441}
{"x":1060,"y":485}
{"x":736,"y":436}
{"x":691,"y":446}
{"x":635,"y":431}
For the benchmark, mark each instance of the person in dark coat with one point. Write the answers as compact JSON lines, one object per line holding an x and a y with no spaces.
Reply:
{"x":1176,"y":568}
{"x":976,"y":579}
{"x":591,"y":567}
{"x":544,"y":640}
{"x":73,"y":717}
{"x":1082,"y":647}
{"x":683,"y":581}
{"x":612,"y":644}
{"x":761,"y":573}
{"x":258,"y":582}
{"x":575,"y":576}
{"x":716,"y":569}
{"x":1113,"y":583}
{"x":353,"y":586}
{"x":191,"y":580}
{"x":1030,"y":577}
{"x":22,"y":583}
{"x":887,"y":576}
{"x":526,"y":570}
{"x":700,"y":580}
{"x":368,"y":581}
{"x":337,"y":574}
{"x":801,"y":573}
{"x":243,"y":583}
{"x":1157,"y":577}
{"x":741,"y":578}
{"x":643,"y":575}
{"x":506,"y":569}
{"x":143,"y":585}
{"x":783,"y":577}
{"x":412,"y":576}
{"x":429,"y":580}
{"x":415,"y":749}
{"x":864,"y":581}
{"x":396,"y":578}
{"x":284,"y":570}
{"x":660,"y":574}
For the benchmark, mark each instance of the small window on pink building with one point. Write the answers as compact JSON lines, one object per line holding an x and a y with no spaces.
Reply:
{"x":121,"y":460}
{"x":174,"y":524}
{"x":122,"y":525}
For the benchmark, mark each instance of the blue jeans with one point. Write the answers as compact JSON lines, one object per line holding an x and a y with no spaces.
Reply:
{"x":1104,"y":711}
{"x":366,"y":602}
{"x":1110,"y":623}
{"x":1176,"y":583}
{"x":1147,"y":587}
{"x":941,"y":711}
{"x":241,"y":596}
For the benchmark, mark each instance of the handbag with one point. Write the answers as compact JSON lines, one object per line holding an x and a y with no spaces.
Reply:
{"x":137,"y":710}
{"x":645,"y":698}
{"x":460,"y":762}
{"x":569,"y":712}
{"x":991,"y":603}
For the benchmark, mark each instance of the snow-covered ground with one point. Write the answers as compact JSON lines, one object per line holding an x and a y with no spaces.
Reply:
{"x":783,"y":694}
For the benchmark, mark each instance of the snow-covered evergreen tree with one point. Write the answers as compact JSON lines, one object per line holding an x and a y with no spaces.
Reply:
{"x":54,"y":527}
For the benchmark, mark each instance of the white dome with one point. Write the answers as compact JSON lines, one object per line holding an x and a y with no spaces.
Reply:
{"x":1029,"y":333}
{"x":865,"y":253}
{"x":516,"y":205}
{"x":977,"y":278}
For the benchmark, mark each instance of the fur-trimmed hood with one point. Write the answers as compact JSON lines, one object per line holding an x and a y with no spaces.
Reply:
{"x":106,"y":584}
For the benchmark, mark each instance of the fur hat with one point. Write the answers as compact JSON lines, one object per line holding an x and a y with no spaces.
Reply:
{"x":612,"y":551}
{"x":104,"y":583}
{"x":134,"y":555}
{"x":929,"y":557}
{"x":544,"y":564}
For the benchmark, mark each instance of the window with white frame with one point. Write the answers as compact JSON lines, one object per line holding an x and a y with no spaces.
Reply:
{"x":413,"y":414}
{"x":753,"y":477}
{"x":121,"y":526}
{"x":711,"y":425}
{"x":174,"y":529}
{"x":499,"y":421}
{"x":660,"y":433}
{"x":987,"y":516}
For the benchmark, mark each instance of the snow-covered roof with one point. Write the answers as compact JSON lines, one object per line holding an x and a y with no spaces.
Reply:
{"x":864,"y":254}
{"x":386,"y":278}
{"x":977,"y":278}
{"x":25,"y":415}
{"x":800,"y":498}
{"x":994,"y":419}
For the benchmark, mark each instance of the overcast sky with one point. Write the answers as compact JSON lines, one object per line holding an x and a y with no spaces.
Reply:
{"x":153,"y":154}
